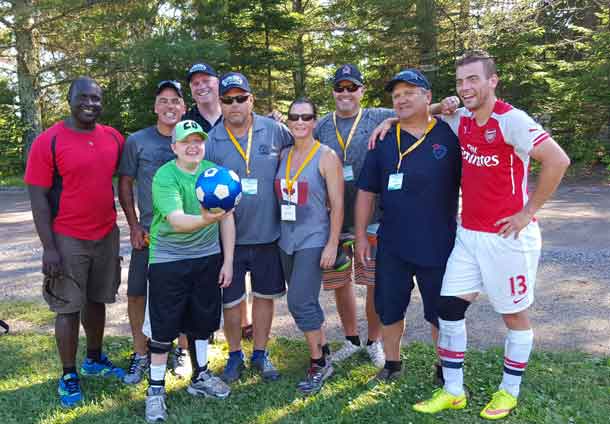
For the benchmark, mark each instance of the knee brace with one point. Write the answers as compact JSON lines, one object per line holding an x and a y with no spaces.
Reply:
{"x":159,"y":347}
{"x":451,"y":308}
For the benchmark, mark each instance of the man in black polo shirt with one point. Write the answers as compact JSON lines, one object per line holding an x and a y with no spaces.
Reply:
{"x":416,"y":172}
{"x":203,"y":80}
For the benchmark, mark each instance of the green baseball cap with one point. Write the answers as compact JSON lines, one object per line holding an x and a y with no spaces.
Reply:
{"x":185,"y":128}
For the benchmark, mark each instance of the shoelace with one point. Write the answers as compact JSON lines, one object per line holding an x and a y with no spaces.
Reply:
{"x":180,"y":357}
{"x":134,"y":364}
{"x":71,"y":385}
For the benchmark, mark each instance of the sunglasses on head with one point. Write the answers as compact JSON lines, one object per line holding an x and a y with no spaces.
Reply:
{"x":228,"y":100}
{"x":351,"y":88}
{"x":303,"y":116}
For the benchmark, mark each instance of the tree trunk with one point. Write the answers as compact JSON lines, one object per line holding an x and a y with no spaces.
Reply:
{"x":298,"y":75}
{"x":28,"y":67}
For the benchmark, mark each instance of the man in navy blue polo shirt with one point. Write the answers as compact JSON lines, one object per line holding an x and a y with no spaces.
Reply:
{"x":416,"y":172}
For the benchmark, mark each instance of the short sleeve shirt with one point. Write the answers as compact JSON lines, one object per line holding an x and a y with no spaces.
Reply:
{"x":194,"y":115}
{"x":174,"y":190}
{"x":144,"y":153}
{"x":356,"y":151}
{"x":418,"y":222}
{"x":495,"y":163}
{"x":86,"y":162}
{"x":257,"y":217}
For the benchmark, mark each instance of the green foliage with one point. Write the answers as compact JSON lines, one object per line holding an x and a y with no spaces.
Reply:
{"x":32,"y":312}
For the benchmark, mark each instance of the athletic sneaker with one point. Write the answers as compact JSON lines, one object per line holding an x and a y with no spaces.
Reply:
{"x":440,"y":400}
{"x":155,"y":404}
{"x":207,"y":384}
{"x":181,"y":363}
{"x":500,"y":405}
{"x":69,"y":391}
{"x":104,"y":367}
{"x":342,"y":261}
{"x":375,"y":351}
{"x":386,"y":376}
{"x":138,"y":368}
{"x":264,"y":366}
{"x":314,"y":379}
{"x":233,"y":369}
{"x":347,"y":350}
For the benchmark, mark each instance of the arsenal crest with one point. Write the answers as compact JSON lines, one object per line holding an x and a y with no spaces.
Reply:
{"x":490,"y":135}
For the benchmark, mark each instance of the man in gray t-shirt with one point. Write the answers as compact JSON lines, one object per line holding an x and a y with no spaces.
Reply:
{"x":250,"y":145}
{"x":146,"y":151}
{"x":347,"y":131}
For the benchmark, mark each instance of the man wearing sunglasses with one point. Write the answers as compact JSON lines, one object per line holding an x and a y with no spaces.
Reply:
{"x":145,"y":152}
{"x":250,"y":145}
{"x":69,"y":176}
{"x":346,"y":131}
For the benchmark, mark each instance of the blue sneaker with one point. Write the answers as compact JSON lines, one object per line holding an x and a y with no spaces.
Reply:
{"x":69,"y":391}
{"x":104,"y":367}
{"x":233,"y":369}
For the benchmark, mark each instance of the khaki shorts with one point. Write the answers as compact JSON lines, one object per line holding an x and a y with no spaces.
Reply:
{"x":91,"y":271}
{"x":358,"y":273}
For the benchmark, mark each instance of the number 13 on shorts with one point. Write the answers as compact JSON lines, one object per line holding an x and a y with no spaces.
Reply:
{"x":518,"y":285}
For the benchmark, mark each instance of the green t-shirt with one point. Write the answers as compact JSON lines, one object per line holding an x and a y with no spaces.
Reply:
{"x":173,"y":190}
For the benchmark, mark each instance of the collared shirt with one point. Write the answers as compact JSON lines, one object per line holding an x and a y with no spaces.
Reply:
{"x":194,"y":115}
{"x":257,"y":217}
{"x":418,"y":222}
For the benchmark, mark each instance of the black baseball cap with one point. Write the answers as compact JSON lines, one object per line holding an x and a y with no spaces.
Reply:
{"x":410,"y":76}
{"x":233,"y":80}
{"x":175,"y":85}
{"x":348,"y":72}
{"x":201,"y":67}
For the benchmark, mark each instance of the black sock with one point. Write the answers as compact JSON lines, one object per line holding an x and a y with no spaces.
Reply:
{"x":69,"y":370}
{"x":198,"y":370}
{"x":94,"y":354}
{"x":369,"y":342}
{"x":321,"y":362}
{"x":325,"y":350}
{"x":355,"y":340}
{"x":393,"y":365}
{"x":157,"y":383}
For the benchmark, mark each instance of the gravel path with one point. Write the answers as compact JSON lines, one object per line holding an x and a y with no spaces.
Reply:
{"x":572,"y":309}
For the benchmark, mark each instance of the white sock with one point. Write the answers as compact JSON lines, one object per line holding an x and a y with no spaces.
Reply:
{"x":517,"y":349}
{"x":201,"y":351}
{"x":157,"y":372}
{"x":451,"y":348}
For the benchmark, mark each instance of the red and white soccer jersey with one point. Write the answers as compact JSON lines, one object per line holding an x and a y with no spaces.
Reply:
{"x":495,"y":163}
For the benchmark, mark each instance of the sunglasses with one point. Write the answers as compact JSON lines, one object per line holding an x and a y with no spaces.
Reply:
{"x":303,"y":116}
{"x":351,"y":88}
{"x":228,"y":100}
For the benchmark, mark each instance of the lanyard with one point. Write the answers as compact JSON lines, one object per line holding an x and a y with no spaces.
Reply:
{"x":291,"y":181}
{"x":345,"y":145}
{"x":414,"y":145}
{"x":245,"y":155}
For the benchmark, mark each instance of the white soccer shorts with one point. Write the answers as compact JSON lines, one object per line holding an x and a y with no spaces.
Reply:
{"x":503,"y":268}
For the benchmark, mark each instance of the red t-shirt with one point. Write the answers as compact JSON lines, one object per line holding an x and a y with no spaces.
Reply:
{"x":86,"y":162}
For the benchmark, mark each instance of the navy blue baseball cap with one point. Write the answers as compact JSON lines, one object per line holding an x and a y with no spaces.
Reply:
{"x":174,"y":85}
{"x":201,"y":67}
{"x":348,"y":72}
{"x":233,"y":80}
{"x":410,"y":76}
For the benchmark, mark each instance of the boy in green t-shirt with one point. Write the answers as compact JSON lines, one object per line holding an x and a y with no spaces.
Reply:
{"x":187,"y":269}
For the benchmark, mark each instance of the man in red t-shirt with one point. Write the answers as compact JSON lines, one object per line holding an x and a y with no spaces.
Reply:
{"x":69,"y":177}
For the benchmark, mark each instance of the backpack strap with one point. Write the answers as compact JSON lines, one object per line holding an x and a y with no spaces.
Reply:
{"x":55,"y":191}
{"x":5,"y":326}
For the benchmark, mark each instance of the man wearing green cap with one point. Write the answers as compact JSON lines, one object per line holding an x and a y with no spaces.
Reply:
{"x":186,"y":269}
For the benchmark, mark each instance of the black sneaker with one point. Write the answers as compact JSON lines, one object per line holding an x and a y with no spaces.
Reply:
{"x":314,"y":380}
{"x":385,"y":375}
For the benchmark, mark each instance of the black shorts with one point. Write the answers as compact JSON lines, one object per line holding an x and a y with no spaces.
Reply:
{"x":266,"y":275}
{"x":394,"y":283}
{"x":184,"y":297}
{"x":138,"y":272}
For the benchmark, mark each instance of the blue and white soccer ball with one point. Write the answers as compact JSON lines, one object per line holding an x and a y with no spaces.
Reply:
{"x":218,"y":189}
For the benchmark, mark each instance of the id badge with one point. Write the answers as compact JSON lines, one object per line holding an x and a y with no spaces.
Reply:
{"x":348,"y":173}
{"x":395,"y":181}
{"x":289,"y":213}
{"x":249,"y":185}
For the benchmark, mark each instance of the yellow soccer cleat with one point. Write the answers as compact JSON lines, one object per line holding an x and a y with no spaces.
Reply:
{"x":499,"y":406}
{"x":440,"y":400}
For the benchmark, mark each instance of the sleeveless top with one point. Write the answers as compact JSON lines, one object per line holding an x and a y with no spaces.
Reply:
{"x":310,"y":197}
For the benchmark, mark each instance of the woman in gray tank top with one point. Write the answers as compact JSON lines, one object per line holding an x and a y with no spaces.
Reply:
{"x":309,"y":186}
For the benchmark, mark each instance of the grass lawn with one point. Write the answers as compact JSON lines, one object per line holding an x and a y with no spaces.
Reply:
{"x":559,"y":388}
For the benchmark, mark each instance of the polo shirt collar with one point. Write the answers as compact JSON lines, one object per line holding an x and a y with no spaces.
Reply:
{"x":258,"y":125}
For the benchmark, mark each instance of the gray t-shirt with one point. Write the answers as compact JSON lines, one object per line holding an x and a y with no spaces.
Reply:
{"x":356,"y":151}
{"x":144,"y":153}
{"x":257,"y":217}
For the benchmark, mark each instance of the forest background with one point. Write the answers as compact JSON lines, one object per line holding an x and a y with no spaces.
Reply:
{"x":553,"y":57}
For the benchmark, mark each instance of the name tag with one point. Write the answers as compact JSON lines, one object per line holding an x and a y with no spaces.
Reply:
{"x":289,"y":213}
{"x":249,"y":185}
{"x":395,"y":181}
{"x":348,"y":173}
